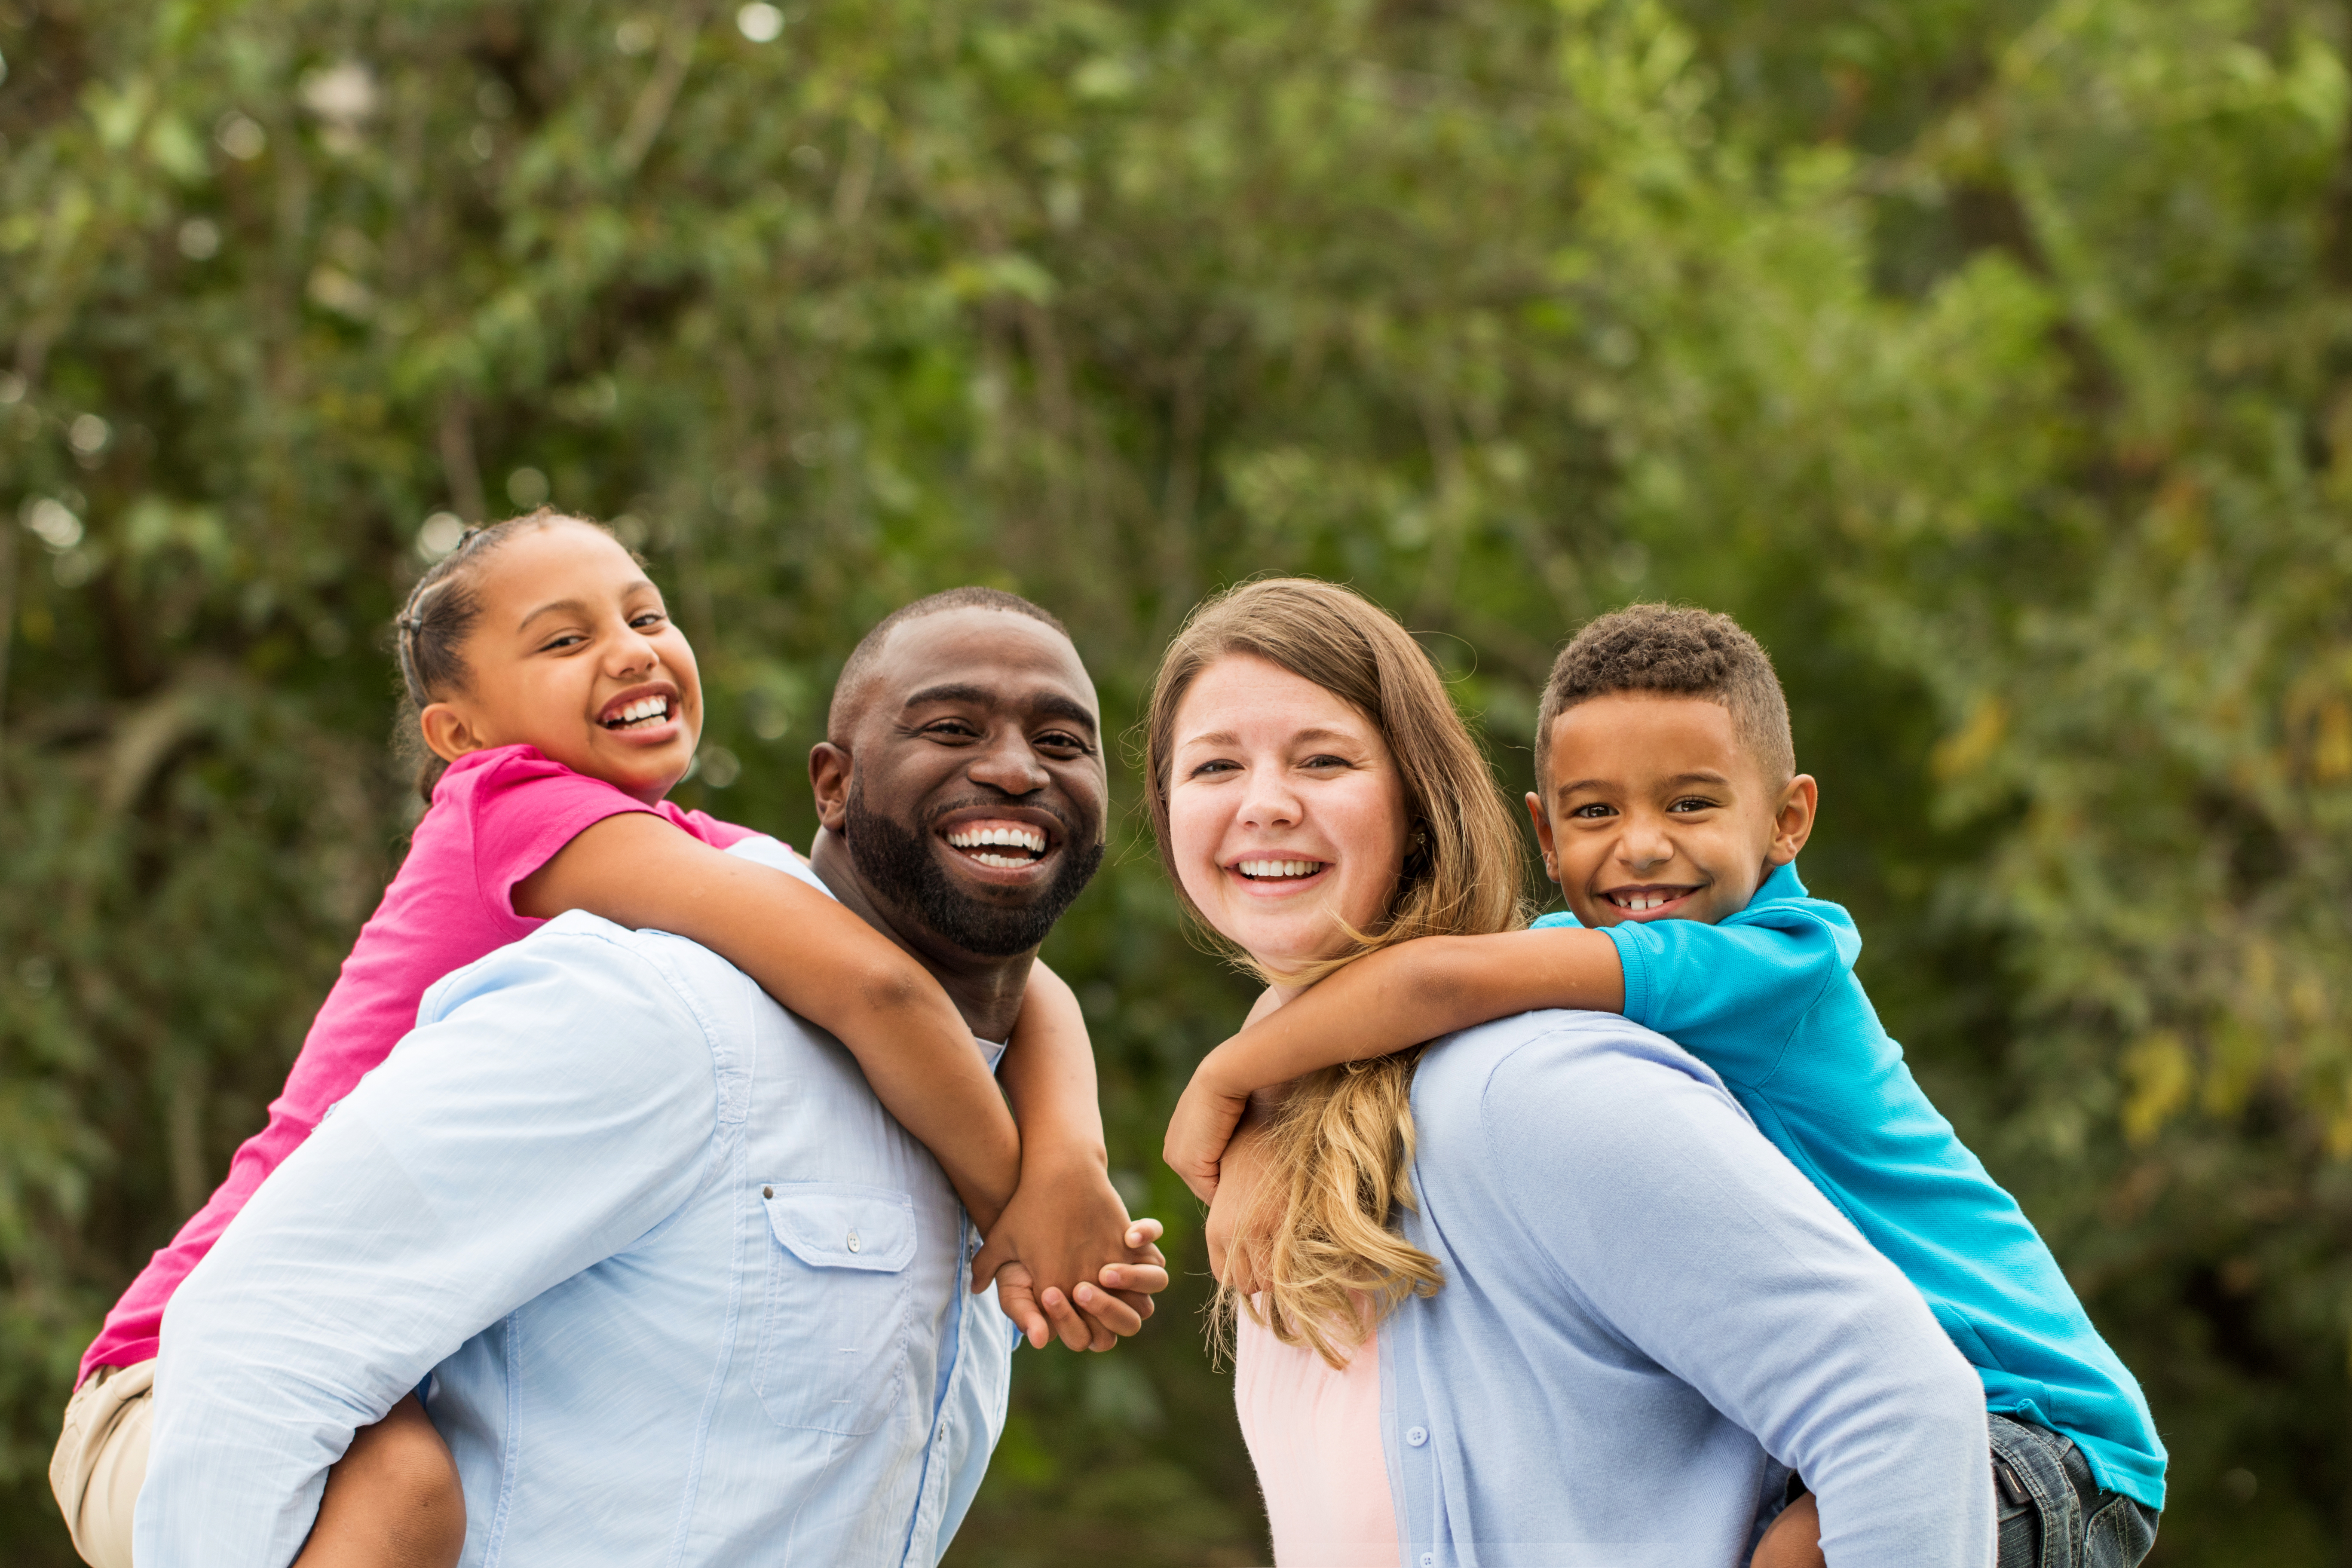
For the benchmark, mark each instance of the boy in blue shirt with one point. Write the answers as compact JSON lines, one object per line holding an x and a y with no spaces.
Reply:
{"x":1670,"y":812}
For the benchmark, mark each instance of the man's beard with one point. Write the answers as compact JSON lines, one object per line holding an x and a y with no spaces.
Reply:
{"x":901,"y":867}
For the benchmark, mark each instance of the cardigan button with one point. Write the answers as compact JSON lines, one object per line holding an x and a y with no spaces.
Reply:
{"x":1428,"y":1558}
{"x":1416,"y":1437}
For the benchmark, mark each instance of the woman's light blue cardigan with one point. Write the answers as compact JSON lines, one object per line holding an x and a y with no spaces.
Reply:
{"x":1650,"y":1318}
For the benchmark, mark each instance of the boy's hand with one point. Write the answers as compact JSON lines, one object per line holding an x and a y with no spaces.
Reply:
{"x":1065,"y":1222}
{"x":1120,"y":1300}
{"x":1203,"y":1124}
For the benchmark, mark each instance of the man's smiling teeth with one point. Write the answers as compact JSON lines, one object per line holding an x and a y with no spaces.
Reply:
{"x":1279,"y":867}
{"x":977,"y":841}
{"x":639,"y":712}
{"x":1638,"y":901}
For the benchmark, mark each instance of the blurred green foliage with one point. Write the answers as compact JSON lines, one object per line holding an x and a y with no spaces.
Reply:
{"x":1992,"y":359}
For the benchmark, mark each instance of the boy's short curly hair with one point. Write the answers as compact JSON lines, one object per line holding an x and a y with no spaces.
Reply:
{"x":1672,"y":650}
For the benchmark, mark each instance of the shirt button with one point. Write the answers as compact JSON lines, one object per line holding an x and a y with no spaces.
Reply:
{"x":767,"y":1192}
{"x":1415,"y":1437}
{"x":1427,"y":1558}
{"x":852,"y":1241}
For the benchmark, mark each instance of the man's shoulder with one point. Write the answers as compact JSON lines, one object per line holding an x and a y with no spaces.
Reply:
{"x":593,"y":967}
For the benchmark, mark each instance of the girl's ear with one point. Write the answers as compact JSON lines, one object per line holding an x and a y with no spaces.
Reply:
{"x":448,"y":732}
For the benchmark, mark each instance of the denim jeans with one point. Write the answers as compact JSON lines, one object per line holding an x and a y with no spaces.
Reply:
{"x":2052,"y":1514}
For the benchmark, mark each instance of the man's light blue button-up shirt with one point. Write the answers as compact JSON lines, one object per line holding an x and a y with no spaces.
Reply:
{"x":685,"y":1294}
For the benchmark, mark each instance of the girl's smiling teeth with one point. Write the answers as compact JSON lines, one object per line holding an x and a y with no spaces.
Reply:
{"x":637,"y":715}
{"x":1275,"y":870}
{"x":982,"y":839}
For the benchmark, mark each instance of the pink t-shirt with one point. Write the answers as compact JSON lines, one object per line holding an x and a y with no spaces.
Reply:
{"x":497,"y":816}
{"x":1314,"y":1434}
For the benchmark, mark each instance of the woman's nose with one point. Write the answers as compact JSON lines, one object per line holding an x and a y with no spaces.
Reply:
{"x":1267,"y":801}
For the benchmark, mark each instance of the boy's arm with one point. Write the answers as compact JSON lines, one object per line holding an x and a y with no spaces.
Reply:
{"x":1386,"y":1002}
{"x":819,"y":960}
{"x":1065,"y":1223}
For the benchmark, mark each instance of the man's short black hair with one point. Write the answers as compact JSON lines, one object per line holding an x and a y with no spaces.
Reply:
{"x":847,"y":692}
{"x":1672,"y":650}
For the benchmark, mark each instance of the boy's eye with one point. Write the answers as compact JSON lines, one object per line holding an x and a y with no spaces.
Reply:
{"x":1691,"y":803}
{"x":1592,"y":810}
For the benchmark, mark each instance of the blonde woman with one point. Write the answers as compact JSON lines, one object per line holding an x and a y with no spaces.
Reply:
{"x":1539,"y":1292}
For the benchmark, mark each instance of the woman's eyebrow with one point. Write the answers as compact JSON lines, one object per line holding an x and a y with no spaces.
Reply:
{"x":1227,"y":738}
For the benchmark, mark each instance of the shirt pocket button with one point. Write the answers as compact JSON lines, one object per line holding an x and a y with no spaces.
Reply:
{"x":1416,"y":1437}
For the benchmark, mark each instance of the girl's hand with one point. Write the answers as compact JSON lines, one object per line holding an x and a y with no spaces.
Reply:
{"x":1119,"y":1301}
{"x":1065,"y":1223}
{"x":1203,"y":1124}
{"x":1237,"y":1223}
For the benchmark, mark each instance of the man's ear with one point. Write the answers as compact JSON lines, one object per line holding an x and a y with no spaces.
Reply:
{"x":830,"y":767}
{"x":448,"y":732}
{"x":1792,"y":820}
{"x":1542,"y":819}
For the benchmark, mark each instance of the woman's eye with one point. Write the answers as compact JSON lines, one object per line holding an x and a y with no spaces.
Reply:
{"x":1325,"y":761}
{"x":1220,"y":766}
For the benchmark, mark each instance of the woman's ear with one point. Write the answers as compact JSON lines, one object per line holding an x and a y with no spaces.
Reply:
{"x":1792,"y":820}
{"x":446,"y":732}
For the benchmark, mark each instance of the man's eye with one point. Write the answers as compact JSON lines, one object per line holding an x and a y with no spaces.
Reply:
{"x":1060,"y":741}
{"x":951,"y":730}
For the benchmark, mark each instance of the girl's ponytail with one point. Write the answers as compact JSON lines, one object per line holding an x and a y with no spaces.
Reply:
{"x":429,"y":637}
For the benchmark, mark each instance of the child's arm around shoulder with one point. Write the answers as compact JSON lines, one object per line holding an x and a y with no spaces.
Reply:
{"x":1384,"y":1003}
{"x":817,"y":959}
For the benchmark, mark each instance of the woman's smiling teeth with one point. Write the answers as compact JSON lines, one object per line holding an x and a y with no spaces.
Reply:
{"x":638,"y":714}
{"x":979,"y":840}
{"x":1261,"y":871}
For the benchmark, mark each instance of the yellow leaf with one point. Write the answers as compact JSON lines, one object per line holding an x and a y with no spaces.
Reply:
{"x":1974,"y":743}
{"x":2158,"y":1070}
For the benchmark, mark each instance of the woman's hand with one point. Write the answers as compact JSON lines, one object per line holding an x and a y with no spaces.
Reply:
{"x":1103,"y":1313}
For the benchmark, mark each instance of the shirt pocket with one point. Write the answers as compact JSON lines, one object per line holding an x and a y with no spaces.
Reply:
{"x":833,"y":1344}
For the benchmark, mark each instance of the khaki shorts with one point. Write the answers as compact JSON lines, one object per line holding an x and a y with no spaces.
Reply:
{"x":101,"y":1460}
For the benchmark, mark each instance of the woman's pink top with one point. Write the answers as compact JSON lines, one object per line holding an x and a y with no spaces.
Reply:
{"x":1314,"y":1434}
{"x":497,"y":816}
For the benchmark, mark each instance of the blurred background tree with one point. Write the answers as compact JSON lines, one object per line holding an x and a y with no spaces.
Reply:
{"x":1992,"y":359}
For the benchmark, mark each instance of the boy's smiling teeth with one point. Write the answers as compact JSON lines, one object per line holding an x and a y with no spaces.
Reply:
{"x":1256,"y":870}
{"x":644,"y":710}
{"x":978,"y":840}
{"x":1647,"y":898}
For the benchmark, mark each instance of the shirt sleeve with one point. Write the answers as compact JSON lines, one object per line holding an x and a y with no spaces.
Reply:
{"x":1732,"y":995}
{"x":560,"y":1101}
{"x":1708,"y":1253}
{"x":522,"y":809}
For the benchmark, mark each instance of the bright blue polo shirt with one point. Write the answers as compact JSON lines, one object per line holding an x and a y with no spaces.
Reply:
{"x":1768,"y":998}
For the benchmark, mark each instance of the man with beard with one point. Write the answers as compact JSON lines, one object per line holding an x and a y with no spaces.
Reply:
{"x":677,"y":1288}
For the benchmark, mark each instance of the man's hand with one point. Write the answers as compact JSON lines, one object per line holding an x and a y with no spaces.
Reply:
{"x":1203,"y":1126}
{"x":1119,"y":1302}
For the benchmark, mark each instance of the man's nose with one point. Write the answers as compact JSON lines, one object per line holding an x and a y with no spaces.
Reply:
{"x":1008,"y":764}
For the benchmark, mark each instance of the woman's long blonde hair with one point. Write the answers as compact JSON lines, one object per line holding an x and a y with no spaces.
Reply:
{"x":1340,"y":1148}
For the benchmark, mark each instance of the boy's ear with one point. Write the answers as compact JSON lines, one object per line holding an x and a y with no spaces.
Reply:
{"x":446,"y":732}
{"x":1542,"y":819}
{"x":829,"y":770}
{"x":1792,"y":820}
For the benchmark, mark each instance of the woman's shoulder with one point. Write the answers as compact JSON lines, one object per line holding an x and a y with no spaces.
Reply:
{"x":1582,"y":1064}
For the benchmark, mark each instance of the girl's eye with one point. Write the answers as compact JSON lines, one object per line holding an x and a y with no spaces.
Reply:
{"x":567,"y":639}
{"x":650,"y":619}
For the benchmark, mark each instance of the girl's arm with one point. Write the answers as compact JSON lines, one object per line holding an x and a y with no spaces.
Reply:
{"x":1066,"y":1223}
{"x":1383,"y":1003}
{"x":820,"y":960}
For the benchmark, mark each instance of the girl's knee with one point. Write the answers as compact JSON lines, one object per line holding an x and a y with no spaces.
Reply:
{"x":393,"y":1500}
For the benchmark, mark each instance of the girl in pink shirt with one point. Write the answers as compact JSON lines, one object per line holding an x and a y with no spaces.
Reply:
{"x":559,"y":705}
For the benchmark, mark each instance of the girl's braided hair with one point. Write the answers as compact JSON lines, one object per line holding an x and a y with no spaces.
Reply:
{"x":429,"y":637}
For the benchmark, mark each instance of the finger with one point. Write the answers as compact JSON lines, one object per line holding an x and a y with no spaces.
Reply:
{"x":987,"y":1261}
{"x":1017,"y":1305}
{"x":1108,"y":1310}
{"x":1142,"y":1279}
{"x":1069,"y":1324}
{"x":1143,"y":1233}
